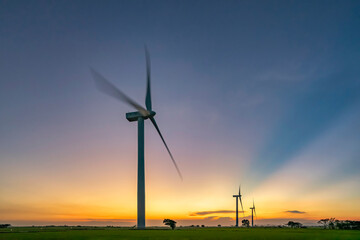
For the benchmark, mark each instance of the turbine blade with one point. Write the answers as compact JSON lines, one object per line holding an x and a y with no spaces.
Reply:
{"x":148,"y":78}
{"x":107,"y":87}
{"x":241,"y":206}
{"x":172,"y":158}
{"x":239,"y":190}
{"x":254,"y":208}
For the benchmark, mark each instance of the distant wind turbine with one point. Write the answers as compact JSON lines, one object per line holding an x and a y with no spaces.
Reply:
{"x":142,"y":114}
{"x":238,"y":197}
{"x":252,"y":213}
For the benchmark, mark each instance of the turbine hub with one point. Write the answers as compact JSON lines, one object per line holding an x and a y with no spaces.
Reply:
{"x":152,"y":113}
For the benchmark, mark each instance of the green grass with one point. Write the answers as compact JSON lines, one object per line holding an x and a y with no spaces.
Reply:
{"x":55,"y":233}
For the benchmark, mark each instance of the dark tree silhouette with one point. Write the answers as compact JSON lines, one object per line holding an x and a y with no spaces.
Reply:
{"x":294,"y":224}
{"x":327,"y":222}
{"x":347,"y":224}
{"x":170,"y":223}
{"x":290,"y":224}
{"x":332,"y":223}
{"x":245,"y":223}
{"x":324,"y":222}
{"x":297,"y":225}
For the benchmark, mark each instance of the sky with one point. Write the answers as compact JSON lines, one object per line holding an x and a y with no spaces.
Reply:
{"x":259,"y":93}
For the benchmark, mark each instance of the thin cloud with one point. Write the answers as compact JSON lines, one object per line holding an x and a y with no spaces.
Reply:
{"x":295,"y":211}
{"x":203,"y":213}
{"x":108,"y":220}
{"x":217,"y":218}
{"x":225,"y":219}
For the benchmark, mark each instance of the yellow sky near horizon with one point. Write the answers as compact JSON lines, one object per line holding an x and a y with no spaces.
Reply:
{"x":180,"y":202}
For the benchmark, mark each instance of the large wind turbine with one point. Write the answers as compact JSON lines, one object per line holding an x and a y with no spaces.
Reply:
{"x":238,"y":197}
{"x":140,"y":115}
{"x":252,"y":213}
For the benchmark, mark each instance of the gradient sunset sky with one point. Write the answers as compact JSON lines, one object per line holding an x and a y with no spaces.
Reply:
{"x":265,"y":94}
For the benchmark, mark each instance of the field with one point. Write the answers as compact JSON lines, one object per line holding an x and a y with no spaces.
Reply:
{"x":180,"y":233}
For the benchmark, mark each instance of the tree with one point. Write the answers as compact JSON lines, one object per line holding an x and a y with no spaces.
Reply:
{"x":332,"y":223}
{"x":297,"y":225}
{"x":324,"y":222}
{"x":341,"y":224}
{"x":170,"y":223}
{"x":245,"y":222}
{"x":347,"y":224}
{"x":328,"y":222}
{"x":294,"y":224}
{"x":290,"y":224}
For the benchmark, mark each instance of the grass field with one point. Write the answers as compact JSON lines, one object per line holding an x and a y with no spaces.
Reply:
{"x":181,"y":233}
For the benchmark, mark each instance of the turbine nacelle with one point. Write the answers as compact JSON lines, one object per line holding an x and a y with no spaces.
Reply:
{"x":134,"y":116}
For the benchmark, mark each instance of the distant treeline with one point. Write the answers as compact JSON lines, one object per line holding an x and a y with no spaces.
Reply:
{"x":5,"y":225}
{"x":332,"y":223}
{"x":328,"y":223}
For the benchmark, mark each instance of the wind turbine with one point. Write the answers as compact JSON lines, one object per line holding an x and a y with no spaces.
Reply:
{"x":252,"y":213}
{"x":238,"y":197}
{"x":140,"y":115}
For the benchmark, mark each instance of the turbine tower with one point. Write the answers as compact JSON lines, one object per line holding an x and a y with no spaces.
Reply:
{"x":238,"y":197}
{"x":140,"y":115}
{"x":252,"y":213}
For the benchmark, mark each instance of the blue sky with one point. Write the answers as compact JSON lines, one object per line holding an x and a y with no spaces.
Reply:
{"x":241,"y":89}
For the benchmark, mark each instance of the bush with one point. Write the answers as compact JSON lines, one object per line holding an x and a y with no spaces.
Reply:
{"x":170,"y":223}
{"x":5,"y":225}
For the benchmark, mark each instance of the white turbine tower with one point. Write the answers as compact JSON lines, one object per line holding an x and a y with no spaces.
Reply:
{"x":252,"y":213}
{"x":238,"y":198}
{"x":142,"y":114}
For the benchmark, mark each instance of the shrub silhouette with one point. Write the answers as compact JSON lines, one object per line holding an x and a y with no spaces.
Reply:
{"x":245,"y":222}
{"x":170,"y":223}
{"x":294,"y":224}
